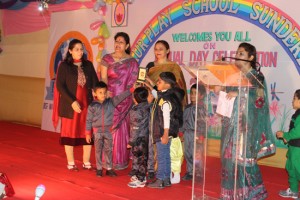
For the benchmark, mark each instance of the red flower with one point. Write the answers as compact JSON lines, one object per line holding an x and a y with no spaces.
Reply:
{"x":260,"y":102}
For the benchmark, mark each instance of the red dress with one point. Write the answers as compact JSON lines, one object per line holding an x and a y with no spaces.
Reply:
{"x":73,"y":130}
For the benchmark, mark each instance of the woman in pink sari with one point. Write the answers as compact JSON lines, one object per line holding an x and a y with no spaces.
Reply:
{"x":119,"y":70}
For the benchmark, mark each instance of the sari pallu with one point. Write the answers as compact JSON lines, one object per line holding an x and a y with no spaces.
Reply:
{"x":242,"y":146}
{"x":121,"y":76}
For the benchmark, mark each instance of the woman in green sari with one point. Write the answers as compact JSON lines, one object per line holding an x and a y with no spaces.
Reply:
{"x":247,"y":135}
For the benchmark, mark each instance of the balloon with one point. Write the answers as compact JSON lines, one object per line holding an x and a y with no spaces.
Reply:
{"x":101,"y":3}
{"x":96,"y":25}
{"x":105,"y":31}
{"x":103,"y":9}
{"x":100,"y":31}
{"x":97,"y":40}
{"x":96,"y":6}
{"x":101,"y":46}
{"x":94,"y":41}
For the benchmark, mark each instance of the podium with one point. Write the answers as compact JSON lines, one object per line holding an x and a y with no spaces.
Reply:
{"x":234,"y":153}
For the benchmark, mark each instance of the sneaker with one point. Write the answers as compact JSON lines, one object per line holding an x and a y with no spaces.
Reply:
{"x":187,"y":177}
{"x":133,"y":178}
{"x":72,"y":168}
{"x":136,"y":184}
{"x":111,"y":173}
{"x":288,"y":194}
{"x":157,"y":184}
{"x":99,"y":172}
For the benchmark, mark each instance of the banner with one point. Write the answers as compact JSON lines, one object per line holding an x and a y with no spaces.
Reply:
{"x":64,"y":27}
{"x":206,"y":31}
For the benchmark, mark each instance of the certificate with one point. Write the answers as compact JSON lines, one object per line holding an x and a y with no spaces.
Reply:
{"x":141,"y":75}
{"x":225,"y":106}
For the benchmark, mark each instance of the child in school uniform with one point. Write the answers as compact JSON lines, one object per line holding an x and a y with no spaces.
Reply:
{"x":99,"y":121}
{"x":151,"y":146}
{"x":188,"y":129}
{"x":166,"y":119}
{"x":292,"y":138}
{"x":139,"y":137}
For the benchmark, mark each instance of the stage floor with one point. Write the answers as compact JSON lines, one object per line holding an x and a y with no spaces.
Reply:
{"x":30,"y":156}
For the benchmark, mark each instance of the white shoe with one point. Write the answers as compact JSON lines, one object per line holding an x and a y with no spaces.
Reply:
{"x":176,"y":178}
{"x":288,"y":194}
{"x":134,"y":178}
{"x":137,"y":184}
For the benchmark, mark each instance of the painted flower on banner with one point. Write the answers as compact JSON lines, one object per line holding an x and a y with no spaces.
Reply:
{"x":119,"y":14}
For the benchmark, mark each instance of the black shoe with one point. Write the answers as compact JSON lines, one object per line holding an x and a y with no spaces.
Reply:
{"x":99,"y":172}
{"x":157,"y":184}
{"x":151,"y":175}
{"x":167,"y":182}
{"x":111,"y":173}
{"x":187,"y":177}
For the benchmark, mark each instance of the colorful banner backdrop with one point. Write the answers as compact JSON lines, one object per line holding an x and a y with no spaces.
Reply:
{"x":266,"y":16}
{"x":61,"y":33}
{"x":205,"y":31}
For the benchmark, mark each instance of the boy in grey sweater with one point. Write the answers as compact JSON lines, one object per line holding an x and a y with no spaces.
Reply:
{"x":99,"y":121}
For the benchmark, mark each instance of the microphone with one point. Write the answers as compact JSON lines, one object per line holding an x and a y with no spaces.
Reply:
{"x":39,"y":191}
{"x":250,"y":61}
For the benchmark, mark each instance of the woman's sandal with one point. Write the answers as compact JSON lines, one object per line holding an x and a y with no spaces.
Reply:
{"x":88,"y":167}
{"x":72,"y":168}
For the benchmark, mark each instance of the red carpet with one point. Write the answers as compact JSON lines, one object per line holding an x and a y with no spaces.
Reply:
{"x":30,"y":156}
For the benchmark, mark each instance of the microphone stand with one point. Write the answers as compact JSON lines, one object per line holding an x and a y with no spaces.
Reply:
{"x":250,"y":61}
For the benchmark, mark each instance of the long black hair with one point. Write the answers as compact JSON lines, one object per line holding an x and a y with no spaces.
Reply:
{"x":251,"y":52}
{"x":126,"y":38}
{"x":69,"y":59}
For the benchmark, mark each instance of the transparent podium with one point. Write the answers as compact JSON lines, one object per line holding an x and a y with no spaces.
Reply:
{"x":219,"y":168}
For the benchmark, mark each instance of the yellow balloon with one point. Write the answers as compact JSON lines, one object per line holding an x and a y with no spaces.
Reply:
{"x":100,"y":31}
{"x":105,"y":31}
